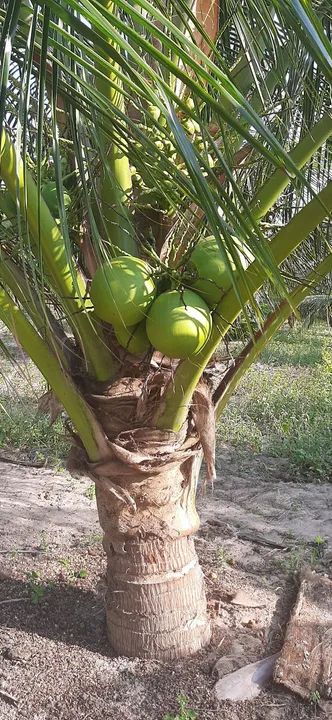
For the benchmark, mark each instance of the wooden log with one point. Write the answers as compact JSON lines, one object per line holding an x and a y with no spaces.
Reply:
{"x":305,"y":662}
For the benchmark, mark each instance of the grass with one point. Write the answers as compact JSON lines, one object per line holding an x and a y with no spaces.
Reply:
{"x":304,"y":553}
{"x":223,"y":557}
{"x":184,"y":712}
{"x":90,"y":492}
{"x":299,"y":347}
{"x":283,"y":406}
{"x":22,"y":428}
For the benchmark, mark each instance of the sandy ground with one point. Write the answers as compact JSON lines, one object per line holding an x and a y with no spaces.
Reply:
{"x":255,"y":494}
{"x":258,"y":528}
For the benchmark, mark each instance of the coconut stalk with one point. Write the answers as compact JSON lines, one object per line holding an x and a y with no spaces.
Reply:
{"x":301,"y":154}
{"x":262,"y":337}
{"x":48,"y":241}
{"x":44,"y":322}
{"x":179,"y":393}
{"x":89,"y":431}
{"x":115,"y":180}
{"x":267,"y":195}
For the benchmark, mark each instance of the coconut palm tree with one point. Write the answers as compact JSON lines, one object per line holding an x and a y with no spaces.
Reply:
{"x":146,"y":154}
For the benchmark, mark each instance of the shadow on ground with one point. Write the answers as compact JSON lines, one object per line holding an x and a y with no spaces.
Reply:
{"x":60,"y":612}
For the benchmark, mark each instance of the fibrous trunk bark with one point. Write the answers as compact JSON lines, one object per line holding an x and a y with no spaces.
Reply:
{"x":155,"y":603}
{"x":146,"y":489}
{"x":155,"y":599}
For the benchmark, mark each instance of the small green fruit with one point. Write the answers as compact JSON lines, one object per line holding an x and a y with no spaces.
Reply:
{"x":178,"y":324}
{"x":134,"y":339}
{"x":154,"y":111}
{"x":190,"y":103}
{"x":189,"y":125}
{"x":50,"y":196}
{"x":122,"y":291}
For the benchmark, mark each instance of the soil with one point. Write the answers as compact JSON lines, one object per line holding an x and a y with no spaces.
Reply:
{"x":258,"y":528}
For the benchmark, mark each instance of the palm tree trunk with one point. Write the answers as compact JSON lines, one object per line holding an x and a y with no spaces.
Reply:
{"x":155,"y":604}
{"x":155,"y":599}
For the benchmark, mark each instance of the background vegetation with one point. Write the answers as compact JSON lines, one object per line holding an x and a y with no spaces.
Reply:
{"x":282,"y":407}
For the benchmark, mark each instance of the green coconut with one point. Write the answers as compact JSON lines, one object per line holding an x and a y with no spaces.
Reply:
{"x":134,"y":339}
{"x":213,"y":273}
{"x":178,"y":323}
{"x":50,"y":196}
{"x":122,"y":291}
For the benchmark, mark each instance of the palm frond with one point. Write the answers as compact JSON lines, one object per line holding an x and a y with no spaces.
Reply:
{"x":88,"y":26}
{"x":198,"y":128}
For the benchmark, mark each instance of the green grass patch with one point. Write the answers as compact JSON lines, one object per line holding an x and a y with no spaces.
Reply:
{"x":286,"y":410}
{"x":23,"y":430}
{"x":283,"y":406}
{"x":299,"y":346}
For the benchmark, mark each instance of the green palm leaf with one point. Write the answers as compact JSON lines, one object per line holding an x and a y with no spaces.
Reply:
{"x":91,"y":89}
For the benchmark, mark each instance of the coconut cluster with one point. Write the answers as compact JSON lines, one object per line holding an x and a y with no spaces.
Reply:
{"x":147,"y":194}
{"x":177,"y":322}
